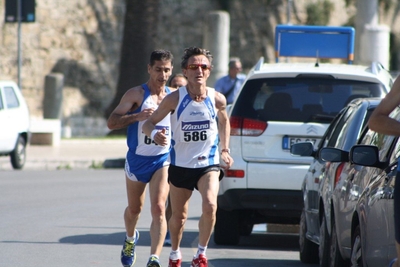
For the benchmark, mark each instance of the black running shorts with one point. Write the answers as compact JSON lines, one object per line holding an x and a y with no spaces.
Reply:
{"x":188,"y":177}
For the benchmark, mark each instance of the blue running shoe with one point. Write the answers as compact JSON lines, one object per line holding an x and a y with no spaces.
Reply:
{"x":153,"y":262}
{"x":128,"y":255}
{"x":392,"y":262}
{"x":167,"y":241}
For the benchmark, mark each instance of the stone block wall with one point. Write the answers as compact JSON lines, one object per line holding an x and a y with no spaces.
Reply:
{"x":79,"y":38}
{"x":82,"y":40}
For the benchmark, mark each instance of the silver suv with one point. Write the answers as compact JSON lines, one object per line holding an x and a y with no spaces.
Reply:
{"x":281,"y":104}
{"x":14,"y":124}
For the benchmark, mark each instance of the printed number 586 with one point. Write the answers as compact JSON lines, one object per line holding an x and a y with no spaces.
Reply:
{"x":195,"y":136}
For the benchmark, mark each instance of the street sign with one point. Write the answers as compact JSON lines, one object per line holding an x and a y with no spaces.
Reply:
{"x":27,"y":11}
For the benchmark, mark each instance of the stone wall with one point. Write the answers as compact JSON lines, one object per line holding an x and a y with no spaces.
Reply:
{"x":82,"y":40}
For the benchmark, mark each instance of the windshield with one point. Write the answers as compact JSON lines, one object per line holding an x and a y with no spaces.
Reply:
{"x":300,"y":99}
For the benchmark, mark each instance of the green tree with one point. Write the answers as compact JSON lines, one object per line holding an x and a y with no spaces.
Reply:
{"x":139,"y":35}
{"x":319,"y":13}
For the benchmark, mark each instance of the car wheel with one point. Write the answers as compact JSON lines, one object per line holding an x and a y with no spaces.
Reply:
{"x":356,"y":249}
{"x":18,"y":155}
{"x":335,"y":256}
{"x":245,"y":228}
{"x":324,"y":244}
{"x":226,"y":230}
{"x":308,"y":249}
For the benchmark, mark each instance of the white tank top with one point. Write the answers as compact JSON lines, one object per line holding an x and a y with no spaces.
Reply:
{"x":141,"y":143}
{"x":194,"y":131}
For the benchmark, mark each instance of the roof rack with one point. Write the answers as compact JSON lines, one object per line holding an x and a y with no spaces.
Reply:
{"x":314,"y":42}
{"x":259,"y":64}
{"x":376,"y":67}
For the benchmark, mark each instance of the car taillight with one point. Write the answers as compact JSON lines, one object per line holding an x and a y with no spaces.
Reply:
{"x":234,"y":173}
{"x":338,"y":173}
{"x":236,"y":125}
{"x":247,"y":127}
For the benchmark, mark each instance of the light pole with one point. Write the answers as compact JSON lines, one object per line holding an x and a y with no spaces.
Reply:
{"x":19,"y":7}
{"x":288,"y":11}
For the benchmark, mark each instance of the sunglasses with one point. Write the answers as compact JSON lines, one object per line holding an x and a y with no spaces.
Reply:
{"x":196,"y":66}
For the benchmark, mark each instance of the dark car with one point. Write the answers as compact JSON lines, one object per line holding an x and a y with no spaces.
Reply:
{"x":315,"y":222}
{"x":363,"y":200}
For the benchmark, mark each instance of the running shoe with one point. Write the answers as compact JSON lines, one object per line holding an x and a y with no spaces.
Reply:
{"x":175,"y":263}
{"x":392,"y":262}
{"x":200,"y":261}
{"x":153,"y":262}
{"x":128,"y":255}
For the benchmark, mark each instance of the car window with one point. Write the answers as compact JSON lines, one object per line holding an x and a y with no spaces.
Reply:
{"x":383,"y":142}
{"x":328,"y":133}
{"x":299,"y":99}
{"x":396,"y":151}
{"x":352,"y":128}
{"x":11,"y":98}
{"x":338,"y":129}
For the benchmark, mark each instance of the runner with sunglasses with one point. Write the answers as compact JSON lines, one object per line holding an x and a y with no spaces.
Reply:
{"x":195,"y":156}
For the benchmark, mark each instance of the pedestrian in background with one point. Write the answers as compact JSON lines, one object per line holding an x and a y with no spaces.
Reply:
{"x":381,"y":122}
{"x":195,"y":158}
{"x":146,"y":162}
{"x":230,"y":84}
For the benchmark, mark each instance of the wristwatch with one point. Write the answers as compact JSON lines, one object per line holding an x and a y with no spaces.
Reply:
{"x":226,"y":150}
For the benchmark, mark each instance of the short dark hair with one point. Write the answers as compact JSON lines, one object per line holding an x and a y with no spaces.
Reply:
{"x":161,"y":55}
{"x":194,"y":51}
{"x":232,"y":62}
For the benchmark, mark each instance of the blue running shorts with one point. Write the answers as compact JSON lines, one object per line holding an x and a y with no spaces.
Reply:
{"x":141,"y":168}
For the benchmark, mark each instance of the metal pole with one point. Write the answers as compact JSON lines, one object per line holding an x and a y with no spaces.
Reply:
{"x":19,"y":7}
{"x":288,"y":12}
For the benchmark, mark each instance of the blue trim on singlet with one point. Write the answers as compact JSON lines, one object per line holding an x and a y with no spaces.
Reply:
{"x":210,"y":106}
{"x":214,"y":149}
{"x":172,"y":154}
{"x":132,"y":136}
{"x":185,"y":101}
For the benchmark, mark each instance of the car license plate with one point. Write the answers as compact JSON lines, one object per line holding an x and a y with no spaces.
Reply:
{"x":288,"y":141}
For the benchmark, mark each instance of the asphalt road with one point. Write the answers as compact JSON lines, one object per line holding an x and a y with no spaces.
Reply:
{"x":73,"y":218}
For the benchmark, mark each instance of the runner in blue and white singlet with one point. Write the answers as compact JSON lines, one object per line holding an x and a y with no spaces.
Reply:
{"x":146,"y":163}
{"x":194,"y":156}
{"x":195,"y":132}
{"x":142,"y":149}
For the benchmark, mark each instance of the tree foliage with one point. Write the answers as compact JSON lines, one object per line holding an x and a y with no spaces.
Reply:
{"x":140,"y":29}
{"x":319,"y":13}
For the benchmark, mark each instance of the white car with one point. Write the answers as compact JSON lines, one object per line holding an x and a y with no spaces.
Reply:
{"x":14,"y":124}
{"x":281,"y":104}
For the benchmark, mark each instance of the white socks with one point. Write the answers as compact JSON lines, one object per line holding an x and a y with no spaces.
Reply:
{"x":175,"y":254}
{"x":201,"y":250}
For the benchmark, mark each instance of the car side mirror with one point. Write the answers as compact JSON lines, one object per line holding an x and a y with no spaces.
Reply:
{"x":302,"y":149}
{"x":365,"y":155}
{"x":331,"y":154}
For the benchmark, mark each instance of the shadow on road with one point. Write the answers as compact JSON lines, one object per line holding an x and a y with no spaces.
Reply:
{"x":268,"y":241}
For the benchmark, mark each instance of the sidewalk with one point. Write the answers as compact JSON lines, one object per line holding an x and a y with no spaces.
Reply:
{"x":73,"y":154}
